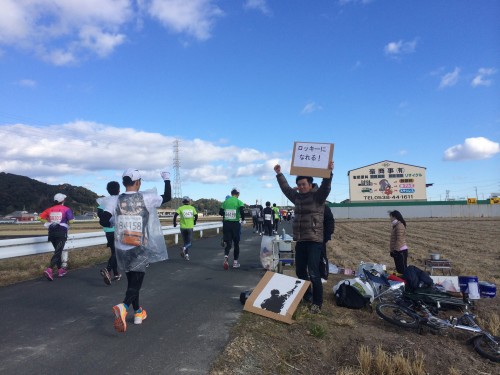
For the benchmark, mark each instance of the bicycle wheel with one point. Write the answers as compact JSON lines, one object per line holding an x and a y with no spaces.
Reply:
{"x":487,"y":348}
{"x":398,"y":315}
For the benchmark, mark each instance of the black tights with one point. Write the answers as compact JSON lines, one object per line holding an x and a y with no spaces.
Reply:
{"x":400,"y":260}
{"x":134,"y":286}
{"x":58,"y":243}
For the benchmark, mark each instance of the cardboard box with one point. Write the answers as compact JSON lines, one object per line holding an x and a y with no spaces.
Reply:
{"x":311,"y":159}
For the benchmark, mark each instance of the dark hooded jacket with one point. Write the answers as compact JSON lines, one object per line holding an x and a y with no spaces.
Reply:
{"x":309,"y":209}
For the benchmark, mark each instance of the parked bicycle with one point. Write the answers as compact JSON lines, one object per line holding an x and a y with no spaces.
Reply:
{"x":419,"y":310}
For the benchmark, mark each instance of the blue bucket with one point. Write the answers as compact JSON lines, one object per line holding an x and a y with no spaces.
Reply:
{"x":487,"y":290}
{"x":463,"y":282}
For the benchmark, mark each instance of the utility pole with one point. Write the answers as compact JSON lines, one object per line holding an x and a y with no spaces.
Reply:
{"x":177,"y":189}
{"x":475,"y":187}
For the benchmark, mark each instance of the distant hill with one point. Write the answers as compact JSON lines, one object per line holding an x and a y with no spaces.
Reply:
{"x":20,"y":193}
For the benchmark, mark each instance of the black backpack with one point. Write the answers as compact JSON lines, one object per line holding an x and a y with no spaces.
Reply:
{"x":416,"y":278}
{"x":350,"y":297}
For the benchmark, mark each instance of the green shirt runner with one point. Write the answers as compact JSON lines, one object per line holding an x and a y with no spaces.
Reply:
{"x":186,"y":213}
{"x":231,"y":208}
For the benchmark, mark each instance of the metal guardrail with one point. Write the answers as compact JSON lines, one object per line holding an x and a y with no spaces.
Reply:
{"x":38,"y":245}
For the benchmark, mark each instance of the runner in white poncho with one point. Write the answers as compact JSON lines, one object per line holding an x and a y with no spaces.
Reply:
{"x":139,"y":239}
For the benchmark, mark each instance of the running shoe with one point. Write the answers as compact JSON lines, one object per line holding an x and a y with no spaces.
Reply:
{"x":236,"y":264}
{"x":48,"y":274}
{"x":140,"y":316}
{"x":186,"y":257}
{"x":62,"y":271}
{"x":120,"y":315}
{"x":105,"y":276}
{"x":183,"y":252}
{"x":117,"y":277}
{"x":226,"y":263}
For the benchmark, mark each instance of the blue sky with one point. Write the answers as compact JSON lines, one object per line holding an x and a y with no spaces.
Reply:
{"x":90,"y":88}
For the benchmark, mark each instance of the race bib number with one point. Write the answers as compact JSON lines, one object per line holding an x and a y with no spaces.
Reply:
{"x":129,"y":229}
{"x":230,"y":214}
{"x":55,"y":217}
{"x":268,"y":216}
{"x":188,"y":214}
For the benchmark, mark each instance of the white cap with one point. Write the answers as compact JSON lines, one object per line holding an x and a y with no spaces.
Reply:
{"x":59,"y":197}
{"x":132,"y":173}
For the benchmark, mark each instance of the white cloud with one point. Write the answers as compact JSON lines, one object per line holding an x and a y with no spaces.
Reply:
{"x":481,"y":77}
{"x":472,"y":149}
{"x":260,"y":5}
{"x":310,"y":108}
{"x":450,"y":79}
{"x":84,"y":147}
{"x":64,"y":32}
{"x":396,"y":49}
{"x":26,"y":83}
{"x":195,"y":17}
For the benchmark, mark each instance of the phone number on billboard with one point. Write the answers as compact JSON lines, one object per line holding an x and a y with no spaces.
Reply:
{"x":386,"y":197}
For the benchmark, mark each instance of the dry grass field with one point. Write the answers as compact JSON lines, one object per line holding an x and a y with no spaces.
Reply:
{"x":352,"y":342}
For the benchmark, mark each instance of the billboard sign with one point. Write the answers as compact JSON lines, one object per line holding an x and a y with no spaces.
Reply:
{"x":387,"y":181}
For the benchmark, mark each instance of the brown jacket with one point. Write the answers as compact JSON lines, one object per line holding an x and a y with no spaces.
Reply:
{"x":309,"y":209}
{"x":398,"y":237}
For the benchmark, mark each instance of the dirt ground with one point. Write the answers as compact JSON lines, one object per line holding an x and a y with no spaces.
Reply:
{"x":330,"y":343}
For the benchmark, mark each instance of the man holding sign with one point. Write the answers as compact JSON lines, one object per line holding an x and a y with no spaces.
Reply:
{"x":308,"y":228}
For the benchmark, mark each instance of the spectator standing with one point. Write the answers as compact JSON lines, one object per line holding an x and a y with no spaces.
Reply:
{"x":308,"y":230}
{"x":397,"y":246}
{"x":139,"y":239}
{"x":232,"y":211}
{"x":113,"y":188}
{"x":188,"y":217}
{"x":57,"y":219}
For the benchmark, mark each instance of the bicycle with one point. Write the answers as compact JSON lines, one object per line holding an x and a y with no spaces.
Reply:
{"x":414,"y":313}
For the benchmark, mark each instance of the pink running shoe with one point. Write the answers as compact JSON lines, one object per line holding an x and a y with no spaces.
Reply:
{"x":61,"y":272}
{"x":48,"y":274}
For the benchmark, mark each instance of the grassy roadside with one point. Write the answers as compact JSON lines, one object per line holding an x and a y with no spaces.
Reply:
{"x":14,"y":270}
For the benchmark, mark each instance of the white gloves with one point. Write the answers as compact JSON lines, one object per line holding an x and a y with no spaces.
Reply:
{"x":165,"y":176}
{"x":243,"y":222}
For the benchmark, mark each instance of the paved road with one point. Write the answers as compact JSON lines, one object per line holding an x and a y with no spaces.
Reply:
{"x":66,"y":326}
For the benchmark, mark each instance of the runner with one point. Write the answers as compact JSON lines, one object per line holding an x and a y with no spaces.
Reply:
{"x":188,"y":218}
{"x":113,"y":188}
{"x":268,"y":215}
{"x":232,"y":211}
{"x":139,"y":239}
{"x":57,"y":219}
{"x":276,"y":212}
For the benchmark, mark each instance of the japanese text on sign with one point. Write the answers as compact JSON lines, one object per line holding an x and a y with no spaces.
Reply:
{"x":311,"y":155}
